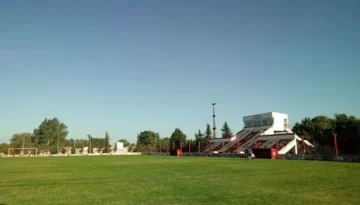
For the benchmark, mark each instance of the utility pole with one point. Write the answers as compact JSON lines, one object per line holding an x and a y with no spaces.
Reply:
{"x":58,"y":143}
{"x":89,"y":142}
{"x":214,"y":125}
{"x":23,"y":143}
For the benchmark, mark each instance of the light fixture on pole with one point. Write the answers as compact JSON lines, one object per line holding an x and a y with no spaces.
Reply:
{"x":214,"y":125}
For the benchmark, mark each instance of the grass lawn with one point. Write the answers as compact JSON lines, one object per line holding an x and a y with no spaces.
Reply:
{"x":176,"y":180}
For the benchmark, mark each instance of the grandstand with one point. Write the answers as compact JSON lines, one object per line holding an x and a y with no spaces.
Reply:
{"x":266,"y":131}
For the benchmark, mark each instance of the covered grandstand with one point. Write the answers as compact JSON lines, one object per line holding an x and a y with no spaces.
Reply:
{"x":264,"y":132}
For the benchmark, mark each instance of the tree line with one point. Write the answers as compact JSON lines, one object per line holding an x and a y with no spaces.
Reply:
{"x":150,"y":141}
{"x":52,"y":133}
{"x":321,"y":129}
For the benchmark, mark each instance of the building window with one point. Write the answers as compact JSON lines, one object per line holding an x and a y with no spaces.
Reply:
{"x":249,"y":123}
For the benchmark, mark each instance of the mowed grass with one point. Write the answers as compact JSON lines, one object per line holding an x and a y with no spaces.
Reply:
{"x":176,"y":180}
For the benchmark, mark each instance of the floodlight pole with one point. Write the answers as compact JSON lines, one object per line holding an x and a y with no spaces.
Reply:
{"x":23,"y":144}
{"x":89,"y":143}
{"x":214,"y":125}
{"x":58,"y":143}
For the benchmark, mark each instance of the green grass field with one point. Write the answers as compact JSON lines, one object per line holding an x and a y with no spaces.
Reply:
{"x":176,"y":180}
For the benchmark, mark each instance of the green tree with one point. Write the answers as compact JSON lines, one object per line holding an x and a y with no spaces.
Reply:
{"x":131,"y":147}
{"x":177,"y":138}
{"x":97,"y":142}
{"x":320,"y":130}
{"x":225,"y":131}
{"x":323,"y":128}
{"x":208,"y":133}
{"x":107,"y":143}
{"x":305,"y":128}
{"x":164,"y":144}
{"x":347,"y":129}
{"x":90,"y":141}
{"x":49,"y":131}
{"x":147,"y":139}
{"x":4,"y":147}
{"x":19,"y":140}
{"x":199,"y":136}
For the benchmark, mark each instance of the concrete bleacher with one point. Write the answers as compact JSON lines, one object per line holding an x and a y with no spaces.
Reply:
{"x":260,"y":131}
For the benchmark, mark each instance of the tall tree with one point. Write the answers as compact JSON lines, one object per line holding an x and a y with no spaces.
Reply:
{"x":226,"y":131}
{"x":90,"y":146}
{"x":177,"y":138}
{"x":164,"y":144}
{"x":50,"y":131}
{"x":320,"y":130}
{"x":348,"y":131}
{"x":305,"y":128}
{"x":208,"y":133}
{"x":199,"y":136}
{"x":19,"y":140}
{"x":4,"y":148}
{"x":147,"y":139}
{"x":131,"y":147}
{"x":107,"y":143}
{"x":323,"y":128}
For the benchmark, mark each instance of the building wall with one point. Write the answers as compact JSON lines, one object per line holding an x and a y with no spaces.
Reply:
{"x":270,"y":118}
{"x":269,"y":131}
{"x":279,"y":121}
{"x":258,"y":120}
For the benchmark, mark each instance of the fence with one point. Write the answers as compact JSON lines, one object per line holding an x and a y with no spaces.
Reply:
{"x":196,"y":154}
{"x":212,"y":154}
{"x":321,"y":157}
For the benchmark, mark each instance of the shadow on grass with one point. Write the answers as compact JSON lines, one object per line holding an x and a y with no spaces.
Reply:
{"x":329,"y":189}
{"x":55,"y":184}
{"x":66,"y":181}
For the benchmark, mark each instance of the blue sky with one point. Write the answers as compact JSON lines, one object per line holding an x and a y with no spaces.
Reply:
{"x":128,"y":66}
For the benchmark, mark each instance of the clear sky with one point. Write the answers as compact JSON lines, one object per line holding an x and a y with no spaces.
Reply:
{"x":127,"y":66}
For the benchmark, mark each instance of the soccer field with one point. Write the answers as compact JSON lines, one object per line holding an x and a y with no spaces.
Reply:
{"x":176,"y":180}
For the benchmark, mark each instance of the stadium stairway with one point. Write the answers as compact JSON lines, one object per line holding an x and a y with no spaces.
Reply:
{"x":243,"y":141}
{"x":246,"y":139}
{"x":268,"y":144}
{"x":233,"y":143}
{"x":299,"y":139}
{"x":213,"y":145}
{"x":219,"y":147}
{"x":287,"y":147}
